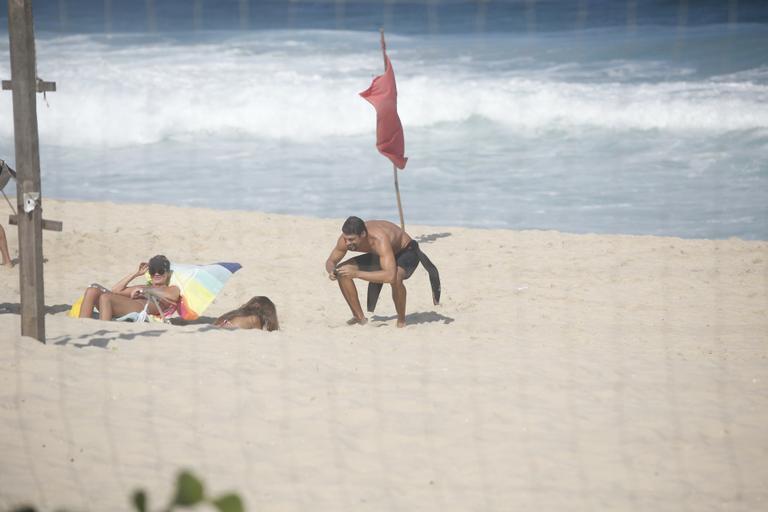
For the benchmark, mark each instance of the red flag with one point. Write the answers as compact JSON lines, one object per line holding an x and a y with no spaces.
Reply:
{"x":382,"y":94}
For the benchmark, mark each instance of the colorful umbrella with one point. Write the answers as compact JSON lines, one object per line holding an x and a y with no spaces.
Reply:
{"x":199,"y":285}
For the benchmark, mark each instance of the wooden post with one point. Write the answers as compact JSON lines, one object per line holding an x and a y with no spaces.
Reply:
{"x":394,"y":167}
{"x":25,"y":84}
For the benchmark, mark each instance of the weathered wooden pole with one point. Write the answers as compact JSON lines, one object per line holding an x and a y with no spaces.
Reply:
{"x":24,"y":84}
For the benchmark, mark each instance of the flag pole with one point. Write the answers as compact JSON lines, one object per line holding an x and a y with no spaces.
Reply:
{"x":399,"y":204}
{"x":394,"y":167}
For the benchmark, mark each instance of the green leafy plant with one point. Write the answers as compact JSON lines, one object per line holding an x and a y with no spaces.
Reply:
{"x":190,"y":492}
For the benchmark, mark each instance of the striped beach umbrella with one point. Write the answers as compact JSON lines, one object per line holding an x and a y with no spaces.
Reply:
{"x":199,"y":285}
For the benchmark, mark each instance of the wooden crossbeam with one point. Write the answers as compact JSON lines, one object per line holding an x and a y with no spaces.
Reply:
{"x":42,"y":86}
{"x":48,"y":225}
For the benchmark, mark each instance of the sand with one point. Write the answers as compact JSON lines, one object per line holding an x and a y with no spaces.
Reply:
{"x":560,"y":372}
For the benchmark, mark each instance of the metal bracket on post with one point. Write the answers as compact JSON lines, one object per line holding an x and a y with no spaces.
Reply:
{"x":31,"y":201}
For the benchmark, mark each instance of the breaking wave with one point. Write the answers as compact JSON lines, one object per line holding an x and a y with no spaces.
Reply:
{"x":134,"y":90}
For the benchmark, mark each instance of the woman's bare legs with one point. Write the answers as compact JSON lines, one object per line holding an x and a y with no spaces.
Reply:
{"x":90,"y":299}
{"x":112,"y":305}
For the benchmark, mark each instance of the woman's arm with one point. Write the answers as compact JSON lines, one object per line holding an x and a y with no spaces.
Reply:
{"x":122,"y":288}
{"x":164,"y":293}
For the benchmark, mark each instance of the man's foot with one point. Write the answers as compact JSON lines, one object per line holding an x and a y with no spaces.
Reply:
{"x":359,"y":321}
{"x":401,"y":323}
{"x":8,"y":264}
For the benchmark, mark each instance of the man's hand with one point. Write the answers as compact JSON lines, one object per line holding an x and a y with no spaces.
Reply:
{"x":347,"y":271}
{"x":332,"y":276}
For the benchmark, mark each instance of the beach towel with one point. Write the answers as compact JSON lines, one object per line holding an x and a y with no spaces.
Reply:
{"x":74,"y":311}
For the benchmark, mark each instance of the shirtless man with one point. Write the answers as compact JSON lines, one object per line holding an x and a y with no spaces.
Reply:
{"x":391,"y":257}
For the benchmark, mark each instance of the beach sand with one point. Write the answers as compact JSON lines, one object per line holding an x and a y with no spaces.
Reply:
{"x":560,"y":372}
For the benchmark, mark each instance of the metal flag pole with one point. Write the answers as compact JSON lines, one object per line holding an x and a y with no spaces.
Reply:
{"x":394,"y":167}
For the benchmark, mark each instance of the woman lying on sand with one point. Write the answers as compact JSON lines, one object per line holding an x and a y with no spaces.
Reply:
{"x":257,"y":313}
{"x":124,"y":299}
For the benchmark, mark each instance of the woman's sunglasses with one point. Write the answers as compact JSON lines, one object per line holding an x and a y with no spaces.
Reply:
{"x":157,"y":272}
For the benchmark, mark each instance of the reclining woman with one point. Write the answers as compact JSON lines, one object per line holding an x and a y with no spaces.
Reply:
{"x":124,"y":299}
{"x":257,"y":313}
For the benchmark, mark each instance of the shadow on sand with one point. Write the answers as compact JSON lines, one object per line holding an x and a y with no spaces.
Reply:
{"x":203,"y":320}
{"x":14,"y":308}
{"x":426,"y":239}
{"x":416,"y":318}
{"x":101,"y":338}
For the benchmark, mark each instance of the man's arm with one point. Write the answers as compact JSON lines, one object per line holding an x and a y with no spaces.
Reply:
{"x":335,"y":257}
{"x":388,"y":270}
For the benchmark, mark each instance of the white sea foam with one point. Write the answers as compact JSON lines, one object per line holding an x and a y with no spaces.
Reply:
{"x":143,"y":91}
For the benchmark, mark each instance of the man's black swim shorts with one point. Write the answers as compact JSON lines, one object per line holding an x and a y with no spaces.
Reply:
{"x":407,"y":259}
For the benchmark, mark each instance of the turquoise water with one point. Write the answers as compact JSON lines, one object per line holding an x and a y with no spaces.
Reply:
{"x":645,"y":118}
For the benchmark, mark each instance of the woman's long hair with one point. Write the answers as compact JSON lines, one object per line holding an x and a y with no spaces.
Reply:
{"x":260,"y":307}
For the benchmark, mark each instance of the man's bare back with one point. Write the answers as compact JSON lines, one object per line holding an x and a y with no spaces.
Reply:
{"x":380,"y":233}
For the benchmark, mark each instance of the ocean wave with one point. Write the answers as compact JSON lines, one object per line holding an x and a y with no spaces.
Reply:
{"x":117,"y":95}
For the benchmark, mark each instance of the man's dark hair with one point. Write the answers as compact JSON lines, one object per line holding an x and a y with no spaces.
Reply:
{"x":353,"y":226}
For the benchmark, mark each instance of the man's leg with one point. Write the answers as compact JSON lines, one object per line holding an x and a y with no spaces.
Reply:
{"x":349,"y":291}
{"x":4,"y":249}
{"x":399,"y":296}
